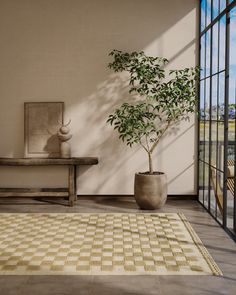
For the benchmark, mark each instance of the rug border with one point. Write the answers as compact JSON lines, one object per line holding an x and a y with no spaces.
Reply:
{"x":198,"y":242}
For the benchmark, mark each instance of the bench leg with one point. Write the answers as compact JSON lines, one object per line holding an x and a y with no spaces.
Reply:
{"x":72,"y":185}
{"x":75,"y":184}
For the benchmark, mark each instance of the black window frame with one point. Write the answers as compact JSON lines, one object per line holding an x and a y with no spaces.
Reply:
{"x":205,"y":199}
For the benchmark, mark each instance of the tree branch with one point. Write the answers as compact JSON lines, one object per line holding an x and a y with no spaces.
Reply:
{"x":164,"y":131}
{"x":147,"y":143}
{"x":144,"y":146}
{"x":158,"y":139}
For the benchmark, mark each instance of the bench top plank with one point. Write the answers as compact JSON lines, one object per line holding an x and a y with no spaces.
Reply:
{"x":48,"y":161}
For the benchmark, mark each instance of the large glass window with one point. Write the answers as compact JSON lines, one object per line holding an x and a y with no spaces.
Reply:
{"x":217,"y":173}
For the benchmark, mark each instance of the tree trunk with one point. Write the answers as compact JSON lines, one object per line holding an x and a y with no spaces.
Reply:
{"x":150,"y":163}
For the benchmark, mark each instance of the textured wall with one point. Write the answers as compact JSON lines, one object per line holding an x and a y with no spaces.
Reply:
{"x":57,"y":50}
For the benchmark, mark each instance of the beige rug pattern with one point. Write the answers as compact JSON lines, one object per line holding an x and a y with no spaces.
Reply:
{"x":101,"y":244}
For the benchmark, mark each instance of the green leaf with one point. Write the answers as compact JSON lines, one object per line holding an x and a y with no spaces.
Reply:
{"x":162,"y":101}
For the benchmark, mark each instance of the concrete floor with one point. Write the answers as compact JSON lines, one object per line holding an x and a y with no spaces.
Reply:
{"x":221,"y":247}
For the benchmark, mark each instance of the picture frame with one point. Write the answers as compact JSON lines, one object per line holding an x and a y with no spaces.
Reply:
{"x":42,"y":121}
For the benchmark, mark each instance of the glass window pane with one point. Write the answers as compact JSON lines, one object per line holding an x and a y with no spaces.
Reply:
{"x":203,"y":14}
{"x":202,"y":118}
{"x":215,"y":8}
{"x":231,"y":130}
{"x":220,"y":147}
{"x":213,"y":143}
{"x":201,"y":181}
{"x":201,"y":139}
{"x":216,"y":193}
{"x":206,"y":184}
{"x":230,"y":204}
{"x":203,"y":48}
{"x":201,"y":174}
{"x":221,"y":102}
{"x":220,"y":131}
{"x":222,"y":5}
{"x":214,"y":93}
{"x":214,"y":96}
{"x":208,"y":53}
{"x":207,"y":117}
{"x":215,"y":48}
{"x":207,"y":99}
{"x":200,"y":195}
{"x":222,"y":28}
{"x":202,"y":100}
{"x":213,"y":189}
{"x":208,"y":12}
{"x":206,"y":142}
{"x":219,"y":195}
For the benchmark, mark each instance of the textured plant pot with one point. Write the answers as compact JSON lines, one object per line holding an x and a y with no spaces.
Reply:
{"x":150,"y":190}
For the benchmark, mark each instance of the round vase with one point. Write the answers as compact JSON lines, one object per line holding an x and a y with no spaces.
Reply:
{"x":65,"y":149}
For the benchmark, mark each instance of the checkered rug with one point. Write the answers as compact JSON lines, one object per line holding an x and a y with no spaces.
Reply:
{"x":101,"y":243}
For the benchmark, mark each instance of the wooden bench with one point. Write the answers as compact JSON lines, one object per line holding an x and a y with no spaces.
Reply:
{"x":69,"y":192}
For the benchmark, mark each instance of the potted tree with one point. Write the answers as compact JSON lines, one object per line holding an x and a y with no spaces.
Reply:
{"x":162,"y":103}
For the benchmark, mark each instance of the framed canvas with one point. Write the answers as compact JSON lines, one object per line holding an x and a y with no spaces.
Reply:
{"x":42,"y":122}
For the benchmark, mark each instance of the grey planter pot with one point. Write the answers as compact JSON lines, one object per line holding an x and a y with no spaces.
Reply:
{"x":150,"y":190}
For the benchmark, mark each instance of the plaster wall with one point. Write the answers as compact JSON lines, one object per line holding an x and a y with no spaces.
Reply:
{"x":57,"y":50}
